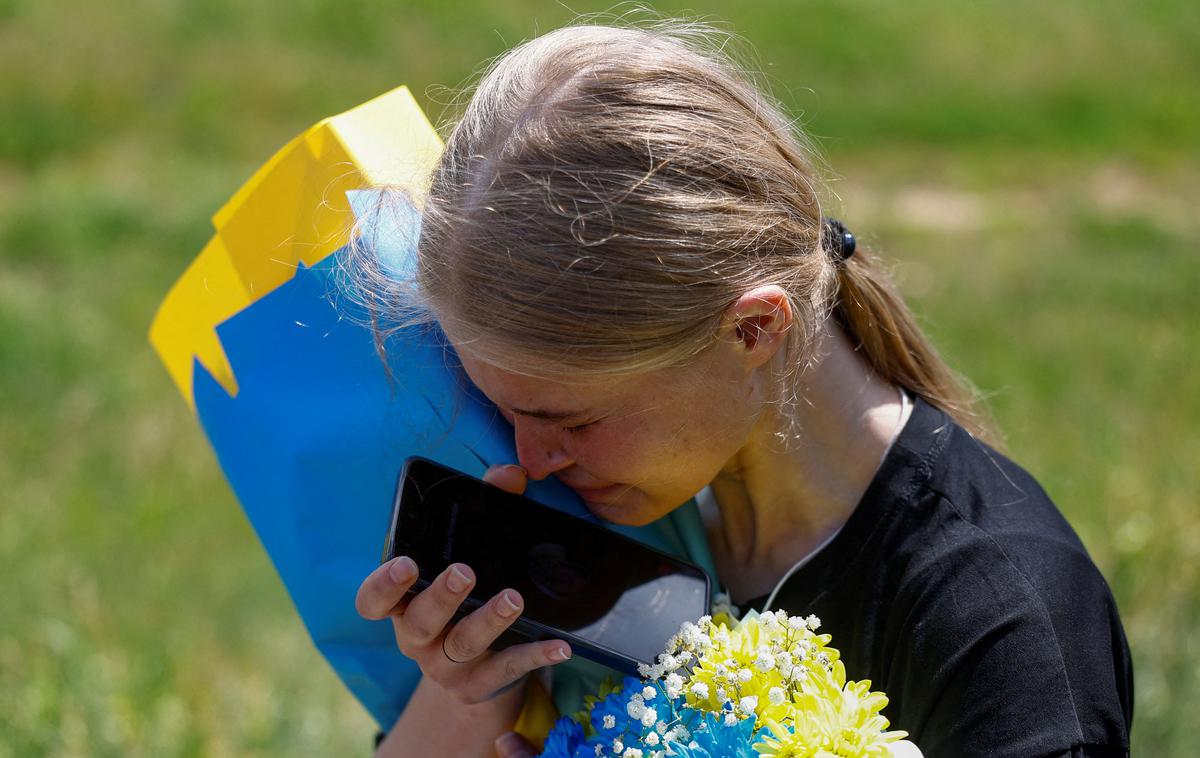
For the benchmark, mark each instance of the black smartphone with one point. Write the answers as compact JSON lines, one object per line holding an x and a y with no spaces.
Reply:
{"x":615,"y":600}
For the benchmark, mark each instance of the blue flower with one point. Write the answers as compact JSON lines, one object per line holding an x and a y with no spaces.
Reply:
{"x":563,"y":739}
{"x":614,"y":706}
{"x":711,"y":738}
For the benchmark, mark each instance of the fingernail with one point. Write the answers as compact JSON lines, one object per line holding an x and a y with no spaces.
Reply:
{"x":402,"y":569}
{"x":508,"y":606}
{"x":458,"y":580}
{"x":511,"y":744}
{"x":559,"y":654}
{"x":516,"y":468}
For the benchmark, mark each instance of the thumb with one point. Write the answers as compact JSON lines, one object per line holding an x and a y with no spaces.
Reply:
{"x":508,"y":477}
{"x":513,"y":745}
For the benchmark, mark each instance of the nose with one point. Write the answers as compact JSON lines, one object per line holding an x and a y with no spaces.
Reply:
{"x":539,"y":449}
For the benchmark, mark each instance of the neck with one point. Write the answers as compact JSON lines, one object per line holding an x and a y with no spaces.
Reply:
{"x":777,"y":503}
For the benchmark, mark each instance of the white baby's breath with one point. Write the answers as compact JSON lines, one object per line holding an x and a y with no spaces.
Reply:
{"x":635,"y":708}
{"x":674,"y":685}
{"x":649,"y":716}
{"x":776,"y":695}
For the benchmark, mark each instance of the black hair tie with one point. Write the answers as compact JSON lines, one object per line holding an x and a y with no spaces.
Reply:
{"x":836,"y":238}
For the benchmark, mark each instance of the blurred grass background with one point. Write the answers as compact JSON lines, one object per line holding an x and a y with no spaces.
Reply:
{"x":1031,"y":169}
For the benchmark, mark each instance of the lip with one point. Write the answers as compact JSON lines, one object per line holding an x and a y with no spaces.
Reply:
{"x":596,"y":494}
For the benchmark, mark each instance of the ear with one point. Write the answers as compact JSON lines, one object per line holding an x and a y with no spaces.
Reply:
{"x":758,"y":323}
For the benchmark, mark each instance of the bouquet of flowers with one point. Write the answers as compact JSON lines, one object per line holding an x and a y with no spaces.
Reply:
{"x":767,"y":686}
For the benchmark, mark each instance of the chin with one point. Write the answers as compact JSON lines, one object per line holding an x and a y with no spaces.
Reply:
{"x":623,"y":515}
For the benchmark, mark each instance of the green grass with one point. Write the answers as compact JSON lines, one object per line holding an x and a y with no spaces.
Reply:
{"x":1029,"y":169}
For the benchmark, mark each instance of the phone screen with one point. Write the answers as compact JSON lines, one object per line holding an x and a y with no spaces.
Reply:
{"x":580,"y":582}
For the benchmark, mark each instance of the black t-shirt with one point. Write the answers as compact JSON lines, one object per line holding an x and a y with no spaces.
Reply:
{"x":959,"y":589}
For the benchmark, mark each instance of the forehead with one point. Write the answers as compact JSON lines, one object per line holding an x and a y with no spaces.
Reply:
{"x":570,"y":396}
{"x":516,"y":390}
{"x":708,"y":375}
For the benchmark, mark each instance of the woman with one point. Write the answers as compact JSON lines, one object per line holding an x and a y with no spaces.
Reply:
{"x":624,"y":243}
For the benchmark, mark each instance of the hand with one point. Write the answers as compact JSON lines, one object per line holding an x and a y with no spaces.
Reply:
{"x":457,"y":657}
{"x":513,"y":745}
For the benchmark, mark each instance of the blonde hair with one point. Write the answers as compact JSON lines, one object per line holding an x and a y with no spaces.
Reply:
{"x":609,"y":191}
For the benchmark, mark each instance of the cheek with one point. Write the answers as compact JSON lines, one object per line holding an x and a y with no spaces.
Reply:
{"x":621,"y":452}
{"x":705,"y":441}
{"x":652,"y":456}
{"x":676,"y":448}
{"x":608,"y":449}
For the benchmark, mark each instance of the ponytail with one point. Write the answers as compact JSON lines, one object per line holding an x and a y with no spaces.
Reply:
{"x":880,"y":324}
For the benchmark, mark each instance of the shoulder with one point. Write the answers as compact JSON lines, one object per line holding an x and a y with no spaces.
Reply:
{"x":956,"y":512}
{"x":998,"y":595}
{"x":987,"y":516}
{"x":959,"y":589}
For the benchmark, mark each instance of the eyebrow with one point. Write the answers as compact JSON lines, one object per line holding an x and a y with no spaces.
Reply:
{"x":551,"y":415}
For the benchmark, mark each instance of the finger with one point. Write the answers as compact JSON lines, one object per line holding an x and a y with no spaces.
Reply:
{"x":512,"y":663}
{"x":513,"y":745}
{"x":470,"y":637}
{"x":508,"y":477}
{"x":429,"y":612}
{"x":384,"y":588}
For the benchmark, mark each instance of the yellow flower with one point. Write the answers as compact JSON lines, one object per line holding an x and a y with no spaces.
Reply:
{"x":832,"y":718}
{"x":777,"y":668}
